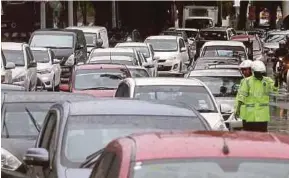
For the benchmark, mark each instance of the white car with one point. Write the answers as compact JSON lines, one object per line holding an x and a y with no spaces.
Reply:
{"x":171,"y":52}
{"x":6,"y":70}
{"x":138,"y":71}
{"x":48,"y":68}
{"x":224,"y":49}
{"x":25,"y":72}
{"x":124,"y":60}
{"x":144,"y":48}
{"x":190,"y":91}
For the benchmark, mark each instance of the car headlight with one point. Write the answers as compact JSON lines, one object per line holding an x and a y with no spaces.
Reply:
{"x":45,"y":71}
{"x":9,"y":161}
{"x":19,"y":78}
{"x":70,"y":60}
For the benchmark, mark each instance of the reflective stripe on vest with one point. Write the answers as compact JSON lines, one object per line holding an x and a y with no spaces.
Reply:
{"x":253,"y":105}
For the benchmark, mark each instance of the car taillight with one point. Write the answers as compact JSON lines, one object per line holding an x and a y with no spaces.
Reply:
{"x":2,"y":78}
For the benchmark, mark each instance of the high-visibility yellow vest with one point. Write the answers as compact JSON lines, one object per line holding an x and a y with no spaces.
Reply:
{"x":254,"y":94}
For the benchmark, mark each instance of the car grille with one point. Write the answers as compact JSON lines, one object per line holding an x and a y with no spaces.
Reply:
{"x":162,"y":60}
{"x":66,"y":72}
{"x":164,"y":68}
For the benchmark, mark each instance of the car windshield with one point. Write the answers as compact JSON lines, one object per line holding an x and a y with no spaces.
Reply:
{"x":196,"y":96}
{"x":213,"y":35}
{"x":20,"y":120}
{"x":52,"y":40}
{"x":84,"y":135}
{"x":274,"y":38}
{"x":163,"y":44}
{"x":90,"y":39}
{"x":15,"y":56}
{"x":108,"y":53}
{"x":137,"y":73}
{"x":224,"y":51}
{"x":198,"y":23}
{"x":190,"y":34}
{"x":41,"y":56}
{"x":216,"y":82}
{"x":212,"y":168}
{"x":99,"y":78}
{"x":142,"y":49}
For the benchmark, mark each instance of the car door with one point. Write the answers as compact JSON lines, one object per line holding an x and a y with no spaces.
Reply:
{"x":31,"y":70}
{"x":123,"y":90}
{"x":184,"y":54}
{"x":47,"y":140}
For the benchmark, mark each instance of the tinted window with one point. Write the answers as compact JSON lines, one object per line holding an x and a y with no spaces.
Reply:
{"x":84,"y":135}
{"x":214,"y":168}
{"x":52,"y":40}
{"x":213,"y":35}
{"x":191,"y":34}
{"x":198,"y":23}
{"x":138,"y":73}
{"x":15,"y":56}
{"x":224,"y":51}
{"x":21,"y":120}
{"x":196,"y":96}
{"x":163,"y":44}
{"x":215,"y":83}
{"x":142,"y":49}
{"x":41,"y":56}
{"x":99,"y":78}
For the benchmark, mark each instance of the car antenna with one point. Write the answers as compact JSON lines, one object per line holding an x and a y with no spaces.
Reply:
{"x":225,"y":148}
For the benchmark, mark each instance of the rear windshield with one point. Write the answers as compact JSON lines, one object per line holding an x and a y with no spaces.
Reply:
{"x":52,"y":40}
{"x":213,"y":35}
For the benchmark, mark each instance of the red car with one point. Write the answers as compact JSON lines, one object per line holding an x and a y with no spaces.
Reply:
{"x":98,"y":79}
{"x":199,"y":154}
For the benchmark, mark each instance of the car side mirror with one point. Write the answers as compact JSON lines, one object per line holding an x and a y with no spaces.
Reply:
{"x":37,"y":157}
{"x":226,"y":109}
{"x":56,"y":61}
{"x":183,"y":49}
{"x":32,"y":64}
{"x":10,"y":65}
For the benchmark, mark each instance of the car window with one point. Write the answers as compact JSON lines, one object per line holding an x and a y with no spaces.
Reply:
{"x":114,"y":168}
{"x":48,"y":130}
{"x":104,"y":165}
{"x":41,"y":56}
{"x":181,"y":43}
{"x":53,"y":40}
{"x":15,"y":56}
{"x":138,"y":73}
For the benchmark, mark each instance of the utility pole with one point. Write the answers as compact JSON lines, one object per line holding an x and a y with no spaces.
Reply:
{"x":42,"y":14}
{"x":114,"y":24}
{"x":70,"y":13}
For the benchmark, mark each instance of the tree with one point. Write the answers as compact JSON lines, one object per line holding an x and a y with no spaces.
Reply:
{"x":243,"y":15}
{"x":83,"y":9}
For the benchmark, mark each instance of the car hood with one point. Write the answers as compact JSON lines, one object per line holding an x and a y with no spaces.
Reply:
{"x":165,"y":55}
{"x":18,"y":71}
{"x":212,"y":118}
{"x":77,"y":173}
{"x":62,"y":53}
{"x":17,"y":147}
{"x":42,"y":66}
{"x":97,"y":93}
{"x":271,"y":45}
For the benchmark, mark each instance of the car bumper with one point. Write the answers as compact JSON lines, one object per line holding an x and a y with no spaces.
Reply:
{"x":169,"y":67}
{"x":46,"y":79}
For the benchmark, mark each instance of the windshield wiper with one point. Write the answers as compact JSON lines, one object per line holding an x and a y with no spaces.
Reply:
{"x":37,"y":126}
{"x":205,"y":110}
{"x":99,"y":88}
{"x":91,"y":159}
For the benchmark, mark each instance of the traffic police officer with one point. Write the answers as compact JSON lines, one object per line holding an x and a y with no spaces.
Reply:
{"x":246,"y":70}
{"x":254,"y":95}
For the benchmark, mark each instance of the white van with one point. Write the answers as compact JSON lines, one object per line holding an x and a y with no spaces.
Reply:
{"x":91,"y":33}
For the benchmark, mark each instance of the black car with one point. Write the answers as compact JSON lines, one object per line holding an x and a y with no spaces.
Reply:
{"x":73,"y":131}
{"x":68,"y":45}
{"x":21,"y":121}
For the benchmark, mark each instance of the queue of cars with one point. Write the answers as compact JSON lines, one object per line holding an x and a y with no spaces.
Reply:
{"x":116,"y":117}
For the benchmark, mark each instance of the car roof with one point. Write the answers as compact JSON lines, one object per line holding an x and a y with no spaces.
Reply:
{"x":166,"y":37}
{"x":115,"y":106}
{"x":88,"y":29}
{"x":224,"y":43}
{"x":12,"y":45}
{"x":100,"y":66}
{"x":131,"y":44}
{"x":151,"y":81}
{"x":196,"y":144}
{"x":111,"y":58}
{"x":44,"y":97}
{"x":56,"y":30}
{"x":113,"y":50}
{"x":215,"y":29}
{"x":135,"y":67}
{"x":216,"y":72}
{"x":187,"y":29}
{"x":10,"y":87}
{"x":214,"y":58}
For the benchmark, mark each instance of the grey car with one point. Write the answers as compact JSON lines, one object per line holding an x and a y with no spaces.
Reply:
{"x":72,"y":131}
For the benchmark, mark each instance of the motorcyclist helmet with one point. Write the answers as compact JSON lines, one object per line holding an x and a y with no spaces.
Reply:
{"x":98,"y":43}
{"x":258,"y":66}
{"x":246,"y":64}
